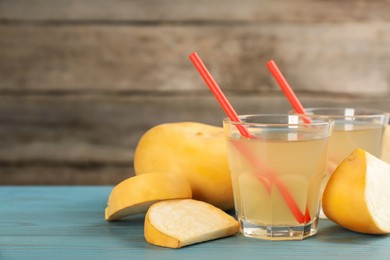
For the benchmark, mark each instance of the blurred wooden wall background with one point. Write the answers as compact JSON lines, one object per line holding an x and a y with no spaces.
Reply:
{"x":81,"y":80}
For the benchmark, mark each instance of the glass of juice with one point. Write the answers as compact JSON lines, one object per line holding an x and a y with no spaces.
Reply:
{"x":277,"y":171}
{"x":354,"y":128}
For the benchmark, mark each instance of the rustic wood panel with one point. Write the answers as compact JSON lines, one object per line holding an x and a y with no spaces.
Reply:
{"x":193,"y":11}
{"x":80,"y":81}
{"x":349,"y":59}
{"x":91,"y":139}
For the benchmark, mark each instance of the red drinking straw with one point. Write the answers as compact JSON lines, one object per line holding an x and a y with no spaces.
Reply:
{"x":221,"y":98}
{"x":292,"y":98}
{"x":230,"y":112}
{"x":294,"y":101}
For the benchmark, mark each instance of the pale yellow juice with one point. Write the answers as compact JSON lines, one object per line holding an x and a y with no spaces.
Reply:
{"x":346,"y":138}
{"x":299,"y":165}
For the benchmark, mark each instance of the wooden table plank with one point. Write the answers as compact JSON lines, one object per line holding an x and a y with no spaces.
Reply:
{"x":67,"y":223}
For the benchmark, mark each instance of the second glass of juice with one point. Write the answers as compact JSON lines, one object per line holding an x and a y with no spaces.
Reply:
{"x":278,"y":165}
{"x":354,"y":128}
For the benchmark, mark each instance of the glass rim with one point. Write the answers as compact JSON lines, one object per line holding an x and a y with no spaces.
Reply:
{"x":321,"y":120}
{"x":360,"y":112}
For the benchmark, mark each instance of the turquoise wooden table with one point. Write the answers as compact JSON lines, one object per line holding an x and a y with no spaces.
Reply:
{"x":68,"y":223}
